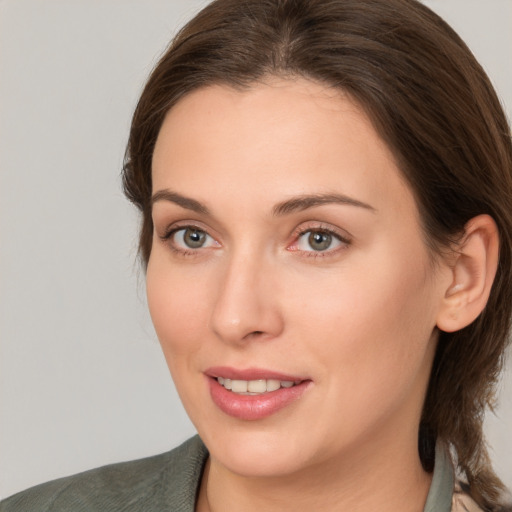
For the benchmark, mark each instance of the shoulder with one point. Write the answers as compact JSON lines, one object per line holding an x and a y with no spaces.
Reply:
{"x":154,"y":483}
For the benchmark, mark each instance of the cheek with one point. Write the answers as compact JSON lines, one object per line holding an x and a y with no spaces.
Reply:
{"x":371,"y":326}
{"x":177,"y":306}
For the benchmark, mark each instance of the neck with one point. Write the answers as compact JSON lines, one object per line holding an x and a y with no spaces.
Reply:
{"x":384,"y":476}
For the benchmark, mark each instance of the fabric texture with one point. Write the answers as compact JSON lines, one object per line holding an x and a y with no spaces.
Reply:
{"x":170,"y":482}
{"x":166,"y":482}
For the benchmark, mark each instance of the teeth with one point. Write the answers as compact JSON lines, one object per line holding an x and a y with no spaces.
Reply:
{"x":254,"y":387}
{"x":257,"y":386}
{"x":239,"y":386}
{"x":273,"y":385}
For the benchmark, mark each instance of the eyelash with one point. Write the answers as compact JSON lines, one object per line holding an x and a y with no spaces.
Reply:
{"x":171,"y":231}
{"x":345,"y":241}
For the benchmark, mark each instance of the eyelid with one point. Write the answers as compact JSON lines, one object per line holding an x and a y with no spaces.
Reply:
{"x":173,"y":228}
{"x":341,"y":235}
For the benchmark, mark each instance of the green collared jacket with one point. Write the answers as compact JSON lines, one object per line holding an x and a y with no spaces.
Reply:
{"x":170,"y":482}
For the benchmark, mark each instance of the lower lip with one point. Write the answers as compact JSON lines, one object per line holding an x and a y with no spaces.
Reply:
{"x":254,"y":407}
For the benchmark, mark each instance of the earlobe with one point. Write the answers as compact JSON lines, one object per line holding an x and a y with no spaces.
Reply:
{"x":472,"y":275}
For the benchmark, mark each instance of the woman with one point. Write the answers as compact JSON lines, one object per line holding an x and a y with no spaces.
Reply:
{"x":325,"y":189}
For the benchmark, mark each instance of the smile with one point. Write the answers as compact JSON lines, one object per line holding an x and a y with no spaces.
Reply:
{"x":254,"y":394}
{"x":254,"y":387}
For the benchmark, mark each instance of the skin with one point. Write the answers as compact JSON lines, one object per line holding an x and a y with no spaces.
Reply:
{"x":358,"y":319}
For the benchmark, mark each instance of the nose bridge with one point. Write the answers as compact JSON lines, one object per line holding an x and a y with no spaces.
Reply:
{"x":244,"y":304}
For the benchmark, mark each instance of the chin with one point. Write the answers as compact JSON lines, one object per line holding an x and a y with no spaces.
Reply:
{"x":257,"y":452}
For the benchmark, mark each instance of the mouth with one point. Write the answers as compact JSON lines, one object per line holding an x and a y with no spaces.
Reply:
{"x":254,"y":394}
{"x":255,"y":387}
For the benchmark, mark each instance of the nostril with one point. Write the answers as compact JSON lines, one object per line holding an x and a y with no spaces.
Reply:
{"x":254,"y":334}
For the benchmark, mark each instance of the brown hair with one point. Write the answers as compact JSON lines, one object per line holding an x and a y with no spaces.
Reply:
{"x":434,"y":106}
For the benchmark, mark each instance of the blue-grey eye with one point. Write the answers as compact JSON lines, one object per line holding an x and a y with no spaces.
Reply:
{"x":318,"y":241}
{"x":192,"y":238}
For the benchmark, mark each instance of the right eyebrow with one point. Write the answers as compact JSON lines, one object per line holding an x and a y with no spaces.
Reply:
{"x":183,"y":201}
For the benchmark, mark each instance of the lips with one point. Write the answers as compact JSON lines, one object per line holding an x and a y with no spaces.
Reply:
{"x":255,"y":393}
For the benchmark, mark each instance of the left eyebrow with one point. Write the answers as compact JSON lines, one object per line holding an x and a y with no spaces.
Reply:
{"x":300,"y":203}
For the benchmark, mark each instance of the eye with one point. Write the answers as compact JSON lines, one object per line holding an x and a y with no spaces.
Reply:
{"x":191,"y":238}
{"x":319,"y":240}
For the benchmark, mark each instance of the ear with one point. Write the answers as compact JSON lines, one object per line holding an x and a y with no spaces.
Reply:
{"x":472,"y":273}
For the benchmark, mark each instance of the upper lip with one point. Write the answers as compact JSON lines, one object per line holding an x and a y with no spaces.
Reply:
{"x":228,"y":372}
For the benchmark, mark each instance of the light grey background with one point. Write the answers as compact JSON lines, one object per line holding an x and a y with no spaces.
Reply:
{"x":82,"y":380}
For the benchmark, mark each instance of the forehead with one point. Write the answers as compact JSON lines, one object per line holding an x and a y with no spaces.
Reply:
{"x":276,"y":138}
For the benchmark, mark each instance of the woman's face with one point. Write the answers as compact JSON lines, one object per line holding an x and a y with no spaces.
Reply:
{"x":287,"y":249}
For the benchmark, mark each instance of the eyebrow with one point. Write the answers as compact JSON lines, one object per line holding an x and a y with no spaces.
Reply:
{"x":303,"y":202}
{"x":294,"y":204}
{"x":185,"y":202}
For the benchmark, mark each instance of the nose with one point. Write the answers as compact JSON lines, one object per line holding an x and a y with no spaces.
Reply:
{"x":246,"y":305}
